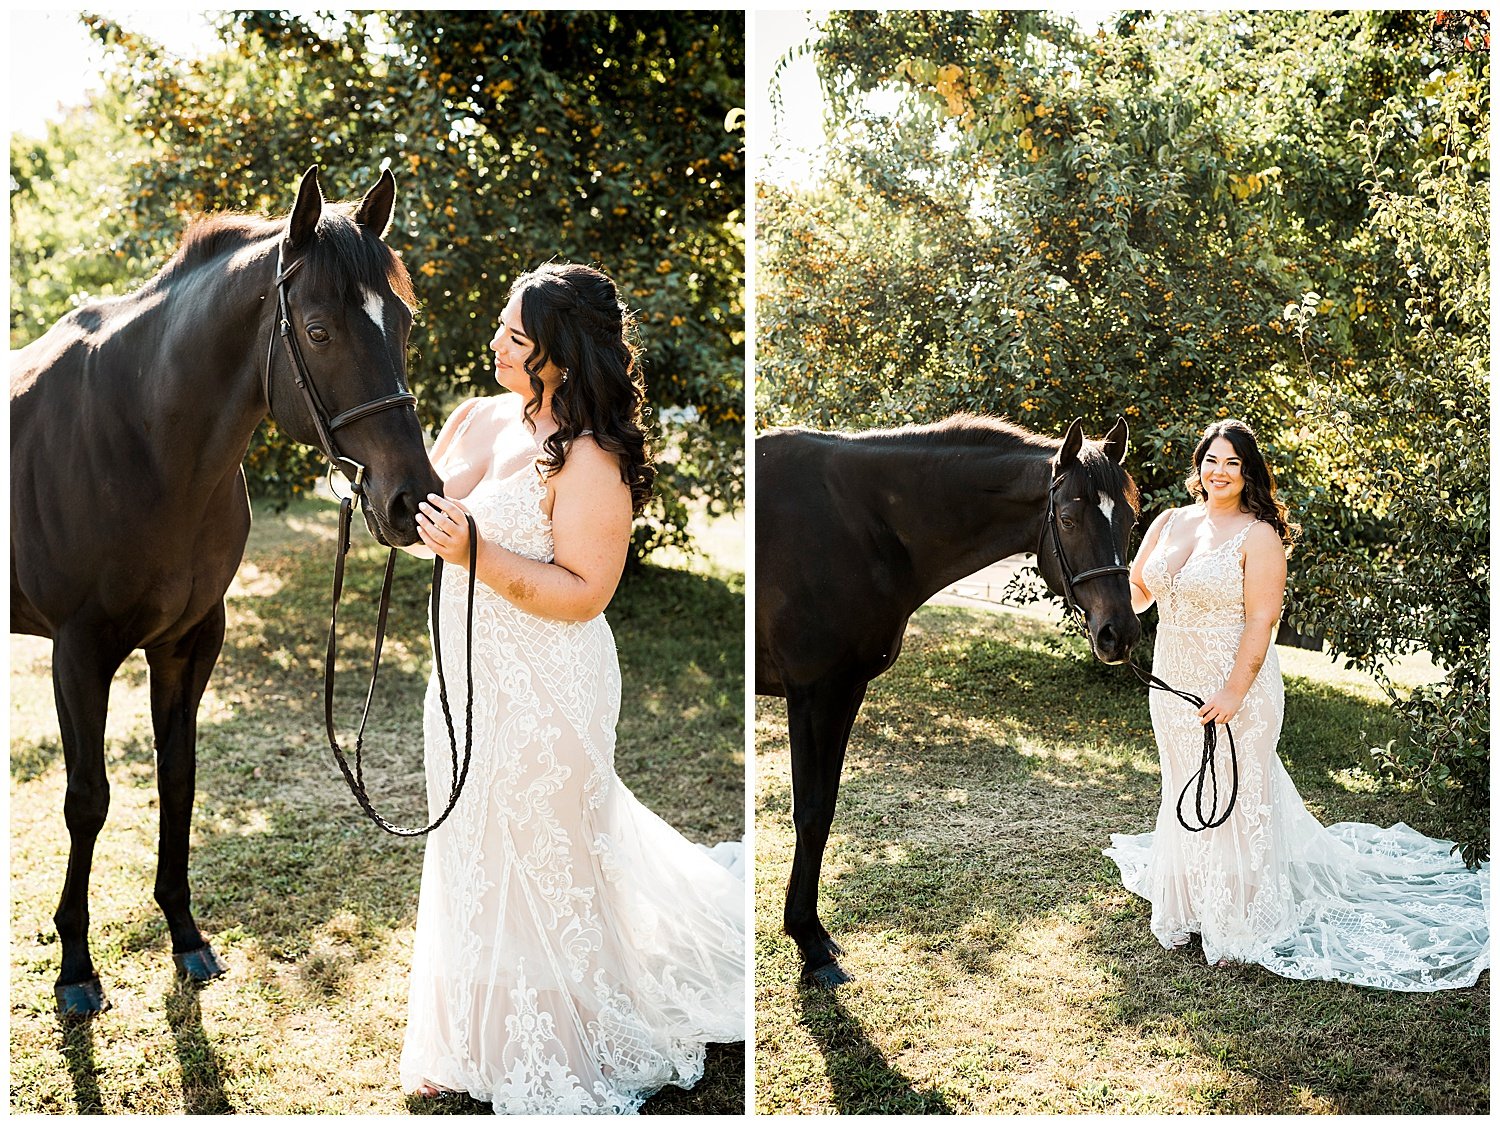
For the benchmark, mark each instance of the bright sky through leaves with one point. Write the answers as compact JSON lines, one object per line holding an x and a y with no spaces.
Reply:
{"x":54,"y":63}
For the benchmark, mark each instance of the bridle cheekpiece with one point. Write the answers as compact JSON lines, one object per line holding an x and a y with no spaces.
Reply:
{"x":1050,"y":530}
{"x":324,"y":425}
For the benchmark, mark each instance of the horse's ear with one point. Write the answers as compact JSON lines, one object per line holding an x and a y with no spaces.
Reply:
{"x":1117,"y":441}
{"x":307,"y":210}
{"x":375,"y":209}
{"x":1072,"y":443}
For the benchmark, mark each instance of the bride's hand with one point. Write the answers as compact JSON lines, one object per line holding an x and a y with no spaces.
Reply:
{"x":1221,"y":706}
{"x":443,"y":528}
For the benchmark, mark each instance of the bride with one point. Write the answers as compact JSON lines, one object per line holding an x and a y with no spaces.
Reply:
{"x":1389,"y":908}
{"x":573,"y":952}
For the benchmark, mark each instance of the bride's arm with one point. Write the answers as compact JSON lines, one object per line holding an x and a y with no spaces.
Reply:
{"x":591,"y":518}
{"x":1265,"y":583}
{"x":1141,"y":597}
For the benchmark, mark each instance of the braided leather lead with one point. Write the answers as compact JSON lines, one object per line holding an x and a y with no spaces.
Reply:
{"x":1207,"y":773}
{"x":355,"y":777}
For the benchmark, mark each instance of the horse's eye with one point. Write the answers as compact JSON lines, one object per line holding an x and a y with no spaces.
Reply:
{"x":1066,"y":521}
{"x":318,"y":334}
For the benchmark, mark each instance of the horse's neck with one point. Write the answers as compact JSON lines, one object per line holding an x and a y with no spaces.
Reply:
{"x":957,"y":513}
{"x":201,"y":344}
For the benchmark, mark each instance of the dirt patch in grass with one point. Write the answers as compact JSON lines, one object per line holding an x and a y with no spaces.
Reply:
{"x":311,"y":906}
{"x":1001,"y":966}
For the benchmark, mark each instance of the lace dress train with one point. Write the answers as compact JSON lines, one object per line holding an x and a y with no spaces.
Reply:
{"x":574,"y":953}
{"x":1384,"y":907}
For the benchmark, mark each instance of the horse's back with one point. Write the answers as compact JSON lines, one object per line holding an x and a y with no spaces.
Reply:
{"x":60,"y":348}
{"x":827,"y":570}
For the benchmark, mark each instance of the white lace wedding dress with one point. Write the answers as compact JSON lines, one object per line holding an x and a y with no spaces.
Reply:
{"x":574,"y":953}
{"x":1383,"y":907}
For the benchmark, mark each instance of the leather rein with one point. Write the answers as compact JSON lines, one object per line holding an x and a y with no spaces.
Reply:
{"x":326,"y":427}
{"x":1206,"y":779}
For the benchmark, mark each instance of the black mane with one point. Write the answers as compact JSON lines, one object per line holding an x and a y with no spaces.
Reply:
{"x":212,"y":236}
{"x":342,"y":257}
{"x":965,"y":433}
{"x":960,"y":430}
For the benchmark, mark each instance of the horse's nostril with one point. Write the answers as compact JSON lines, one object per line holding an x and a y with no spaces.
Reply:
{"x":403,"y":508}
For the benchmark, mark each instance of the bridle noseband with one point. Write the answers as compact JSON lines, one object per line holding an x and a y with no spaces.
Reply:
{"x":1206,"y":779}
{"x":324,"y":425}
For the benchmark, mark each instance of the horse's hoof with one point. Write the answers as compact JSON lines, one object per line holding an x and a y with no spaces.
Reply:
{"x":82,"y":1000}
{"x":828,"y":976}
{"x":200,"y":964}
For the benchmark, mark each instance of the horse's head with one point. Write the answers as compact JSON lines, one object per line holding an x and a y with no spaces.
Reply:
{"x":1091,"y":508}
{"x":348,"y":303}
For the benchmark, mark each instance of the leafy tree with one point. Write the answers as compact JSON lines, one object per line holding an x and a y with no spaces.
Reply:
{"x":516,"y":137}
{"x":1024,"y":220}
{"x":60,"y":183}
{"x":1417,"y":419}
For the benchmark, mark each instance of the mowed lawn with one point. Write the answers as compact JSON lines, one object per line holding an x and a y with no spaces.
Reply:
{"x":310,"y":905}
{"x":1000,"y":965}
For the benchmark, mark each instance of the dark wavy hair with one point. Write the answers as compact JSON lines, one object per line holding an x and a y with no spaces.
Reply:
{"x":1259,"y":496}
{"x":575,"y":319}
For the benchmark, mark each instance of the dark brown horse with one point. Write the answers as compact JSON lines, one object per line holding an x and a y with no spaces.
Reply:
{"x":129,"y":420}
{"x":854,"y":531}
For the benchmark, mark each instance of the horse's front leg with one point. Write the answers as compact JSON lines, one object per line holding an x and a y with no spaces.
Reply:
{"x":84,"y":661}
{"x":179,"y":675}
{"x":819,"y":720}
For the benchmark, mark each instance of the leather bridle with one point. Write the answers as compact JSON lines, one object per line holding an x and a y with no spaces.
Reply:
{"x":326,"y":427}
{"x":322,"y":423}
{"x":1050,"y":530}
{"x":1206,"y":780}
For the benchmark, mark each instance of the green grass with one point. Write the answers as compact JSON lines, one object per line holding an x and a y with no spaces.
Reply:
{"x":310,"y":905}
{"x":1002,"y":968}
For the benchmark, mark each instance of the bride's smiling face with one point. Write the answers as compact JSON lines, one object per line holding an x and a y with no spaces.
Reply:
{"x":512,"y":348}
{"x":1222,"y":473}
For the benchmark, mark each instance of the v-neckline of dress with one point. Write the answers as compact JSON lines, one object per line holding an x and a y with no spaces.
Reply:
{"x":1173,"y":575}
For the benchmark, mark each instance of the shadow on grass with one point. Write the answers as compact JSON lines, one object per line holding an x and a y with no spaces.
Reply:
{"x":29,"y":760}
{"x":1301,"y":1046}
{"x":202,"y":1084}
{"x":861,"y":1078}
{"x":720,"y":1090}
{"x":446,"y":1105}
{"x":83,"y":1071}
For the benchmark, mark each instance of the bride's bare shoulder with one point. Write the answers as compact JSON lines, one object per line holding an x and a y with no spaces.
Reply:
{"x":484,"y":415}
{"x":462,"y":417}
{"x":1162,"y":519}
{"x":1263,"y":537}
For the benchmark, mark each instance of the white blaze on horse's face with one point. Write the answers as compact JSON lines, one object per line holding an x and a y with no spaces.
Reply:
{"x":374,"y":307}
{"x":1107,"y":506}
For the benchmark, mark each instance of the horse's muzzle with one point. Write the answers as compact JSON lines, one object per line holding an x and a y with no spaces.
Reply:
{"x":394,"y":523}
{"x":1114,"y":638}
